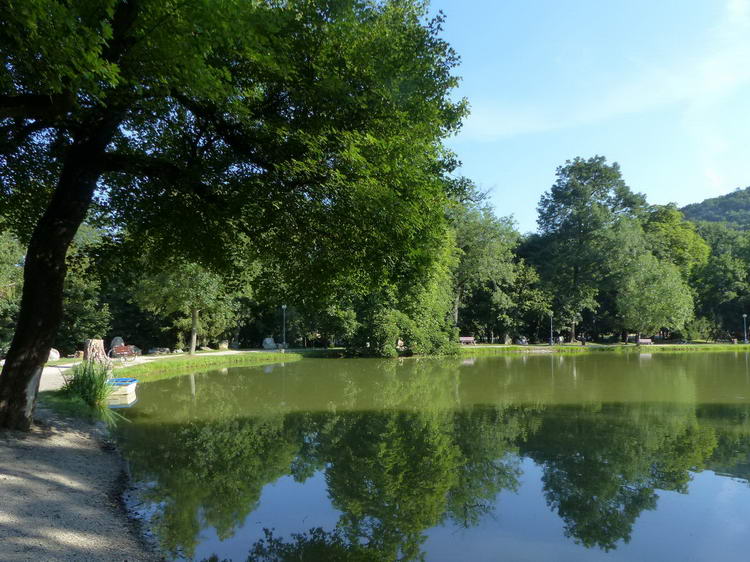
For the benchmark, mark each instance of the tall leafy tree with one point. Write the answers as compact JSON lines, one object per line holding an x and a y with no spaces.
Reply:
{"x":654,"y":296}
{"x":587,"y":199}
{"x":673,"y":239}
{"x":313,"y":127}
{"x":186,"y":290}
{"x":485,"y":250}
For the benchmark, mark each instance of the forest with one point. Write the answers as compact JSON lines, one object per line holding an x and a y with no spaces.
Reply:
{"x":604,"y":263}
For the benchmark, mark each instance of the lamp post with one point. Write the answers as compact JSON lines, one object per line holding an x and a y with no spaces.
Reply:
{"x":550,"y":327}
{"x":744,"y":325}
{"x":283,"y":329}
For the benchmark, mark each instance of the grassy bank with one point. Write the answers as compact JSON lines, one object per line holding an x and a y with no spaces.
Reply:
{"x":573,"y":349}
{"x":172,"y":367}
{"x":69,"y":404}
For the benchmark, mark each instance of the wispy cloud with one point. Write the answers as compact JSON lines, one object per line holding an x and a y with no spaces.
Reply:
{"x":695,"y":83}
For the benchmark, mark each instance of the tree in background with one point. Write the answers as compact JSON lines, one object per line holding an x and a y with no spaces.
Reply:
{"x":11,"y":278}
{"x":588,"y":198}
{"x":654,"y":296}
{"x":673,"y":239}
{"x":723,"y":283}
{"x":188,"y":291}
{"x":485,"y":249}
{"x":296,"y":124}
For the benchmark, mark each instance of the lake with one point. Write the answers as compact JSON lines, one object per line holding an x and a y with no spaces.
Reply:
{"x":595,"y":457}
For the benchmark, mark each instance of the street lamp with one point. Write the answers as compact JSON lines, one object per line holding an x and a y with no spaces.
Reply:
{"x":550,"y":327}
{"x":744,"y":325}
{"x":283,"y":345}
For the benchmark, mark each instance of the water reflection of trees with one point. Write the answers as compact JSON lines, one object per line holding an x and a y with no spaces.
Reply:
{"x":603,"y":464}
{"x":417,"y":459}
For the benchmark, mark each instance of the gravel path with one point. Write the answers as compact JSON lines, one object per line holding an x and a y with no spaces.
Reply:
{"x":60,"y":489}
{"x":52,"y":376}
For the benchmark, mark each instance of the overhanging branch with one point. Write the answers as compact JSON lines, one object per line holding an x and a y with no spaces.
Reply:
{"x":35,"y":106}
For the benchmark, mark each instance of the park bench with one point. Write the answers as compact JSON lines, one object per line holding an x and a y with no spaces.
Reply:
{"x":124,"y":352}
{"x":645,"y":341}
{"x":467,"y":340}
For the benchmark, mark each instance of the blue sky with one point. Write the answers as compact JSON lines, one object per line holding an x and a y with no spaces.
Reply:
{"x":660,"y":86}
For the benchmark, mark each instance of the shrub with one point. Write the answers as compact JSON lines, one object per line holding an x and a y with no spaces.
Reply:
{"x":88,"y":381}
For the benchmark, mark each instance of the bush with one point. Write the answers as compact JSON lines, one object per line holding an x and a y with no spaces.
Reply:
{"x":88,"y":381}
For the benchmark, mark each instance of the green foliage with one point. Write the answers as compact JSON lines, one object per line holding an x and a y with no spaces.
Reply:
{"x":673,"y":239}
{"x":316,"y":544}
{"x":733,"y":208}
{"x":85,"y":313}
{"x":699,"y":329}
{"x":11,"y":280}
{"x":88,"y":381}
{"x":587,"y":201}
{"x":179,"y":289}
{"x":654,"y":296}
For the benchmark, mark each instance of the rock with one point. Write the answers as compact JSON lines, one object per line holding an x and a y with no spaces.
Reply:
{"x":268,"y":343}
{"x":159,"y":350}
{"x":116,"y":342}
{"x":205,"y":348}
{"x":224,"y":344}
{"x":54,"y":355}
{"x":177,"y":351}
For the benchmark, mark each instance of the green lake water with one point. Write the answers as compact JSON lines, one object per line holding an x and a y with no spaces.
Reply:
{"x":596,"y":457}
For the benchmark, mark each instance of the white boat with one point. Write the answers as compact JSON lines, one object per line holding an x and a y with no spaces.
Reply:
{"x":122,"y":401}
{"x":123,"y":386}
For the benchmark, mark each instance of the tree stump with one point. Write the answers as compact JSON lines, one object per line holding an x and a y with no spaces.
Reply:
{"x":93,"y":350}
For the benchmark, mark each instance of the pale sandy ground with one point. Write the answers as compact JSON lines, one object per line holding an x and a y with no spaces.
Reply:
{"x":53,"y":376}
{"x":60,"y":489}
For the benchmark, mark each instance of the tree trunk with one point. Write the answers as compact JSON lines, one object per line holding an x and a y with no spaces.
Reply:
{"x":44,"y":273}
{"x":572,"y":332}
{"x":193,"y":331}
{"x":93,"y":350}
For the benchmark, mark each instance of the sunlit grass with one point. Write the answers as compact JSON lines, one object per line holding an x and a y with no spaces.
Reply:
{"x":167,"y":368}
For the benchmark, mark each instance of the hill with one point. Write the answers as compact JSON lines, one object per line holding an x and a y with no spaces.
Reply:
{"x":733,"y":208}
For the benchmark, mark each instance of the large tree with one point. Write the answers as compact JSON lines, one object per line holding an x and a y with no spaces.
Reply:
{"x":312,"y":127}
{"x":588,"y":199}
{"x":654,"y":296}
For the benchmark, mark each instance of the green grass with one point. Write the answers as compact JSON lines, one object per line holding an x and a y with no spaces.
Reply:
{"x":167,"y":368}
{"x":66,"y":361}
{"x":84,"y":394}
{"x":88,"y":381}
{"x":577,"y":349}
{"x":66,"y":404}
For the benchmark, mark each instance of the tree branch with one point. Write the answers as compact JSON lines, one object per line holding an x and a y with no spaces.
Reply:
{"x":141,"y":165}
{"x":35,"y":106}
{"x":156,"y":168}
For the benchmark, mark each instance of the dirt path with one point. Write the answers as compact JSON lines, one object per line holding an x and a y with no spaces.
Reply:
{"x":53,"y":376}
{"x":60,"y":488}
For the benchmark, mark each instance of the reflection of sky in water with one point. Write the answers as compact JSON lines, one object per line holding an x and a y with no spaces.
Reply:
{"x":286,"y":507}
{"x":711,"y":523}
{"x":612,"y":427}
{"x":711,"y":519}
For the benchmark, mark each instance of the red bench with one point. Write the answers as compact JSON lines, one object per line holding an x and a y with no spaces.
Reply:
{"x":645,"y":341}
{"x":124,"y":352}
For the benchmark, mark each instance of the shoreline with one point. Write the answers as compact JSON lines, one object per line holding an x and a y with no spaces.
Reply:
{"x":62,"y":485}
{"x":65,"y":483}
{"x":590,"y":348}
